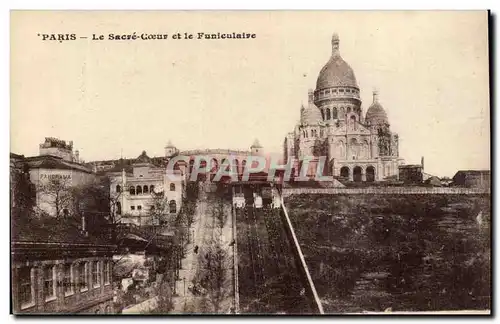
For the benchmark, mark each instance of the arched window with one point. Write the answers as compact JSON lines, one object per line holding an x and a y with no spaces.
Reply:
{"x":370,"y":174}
{"x":348,"y":109}
{"x":132,"y":190}
{"x":138,"y":190}
{"x":341,"y":149}
{"x":145,"y":189}
{"x":334,"y":113}
{"x":354,"y":148}
{"x":172,"y":206}
{"x":118,"y":188}
{"x":226,"y":164}
{"x":356,"y":174}
{"x":342,"y":112}
{"x":118,"y":208}
{"x":214,"y":165}
{"x":353,"y":122}
{"x":236,"y":166}
{"x":344,"y":172}
{"x":172,"y":187}
{"x":366,"y":149}
{"x":151,"y":188}
{"x":328,"y":116}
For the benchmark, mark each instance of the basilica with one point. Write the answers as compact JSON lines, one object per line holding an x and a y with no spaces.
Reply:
{"x":358,"y":146}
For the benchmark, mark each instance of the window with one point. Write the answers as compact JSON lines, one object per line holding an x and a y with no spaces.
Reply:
{"x":84,"y":279}
{"x":26,"y":289}
{"x":49,"y":287}
{"x":139,"y":207}
{"x":68,"y":280}
{"x":172,"y":206}
{"x":132,"y":190}
{"x":118,"y":208}
{"x":118,"y":188}
{"x":107,"y":273}
{"x":145,"y":189}
{"x":172,"y":187}
{"x":96,"y":274}
{"x":328,"y":117}
{"x":132,"y":207}
{"x":138,"y":190}
{"x":334,"y":113}
{"x":151,"y":188}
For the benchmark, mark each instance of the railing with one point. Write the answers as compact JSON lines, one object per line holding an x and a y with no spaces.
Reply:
{"x":314,"y":300}
{"x":387,"y":191}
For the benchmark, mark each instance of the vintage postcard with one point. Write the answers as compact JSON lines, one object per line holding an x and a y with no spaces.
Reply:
{"x":250,"y":162}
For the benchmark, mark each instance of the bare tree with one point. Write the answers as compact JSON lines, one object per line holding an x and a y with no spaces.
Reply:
{"x":158,"y":210}
{"x":58,"y":195}
{"x":214,"y":277}
{"x":219,"y":214}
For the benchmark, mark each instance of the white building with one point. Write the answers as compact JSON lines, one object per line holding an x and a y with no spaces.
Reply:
{"x":54,"y":172}
{"x":134,"y":190}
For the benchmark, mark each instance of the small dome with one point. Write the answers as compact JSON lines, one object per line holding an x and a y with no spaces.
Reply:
{"x":310,"y":115}
{"x":336,"y":71}
{"x":256,"y":144}
{"x":143,"y":158}
{"x":376,"y":114}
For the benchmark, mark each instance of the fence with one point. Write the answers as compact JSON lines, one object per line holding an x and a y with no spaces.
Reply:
{"x":388,"y":191}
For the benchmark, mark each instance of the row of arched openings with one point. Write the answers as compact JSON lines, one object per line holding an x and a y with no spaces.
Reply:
{"x":214,"y":165}
{"x":172,"y":207}
{"x":357,"y":173}
{"x":334,"y":113}
{"x":312,"y":133}
{"x":138,"y":190}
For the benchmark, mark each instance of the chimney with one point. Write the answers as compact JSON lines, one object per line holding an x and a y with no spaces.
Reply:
{"x":422,"y":163}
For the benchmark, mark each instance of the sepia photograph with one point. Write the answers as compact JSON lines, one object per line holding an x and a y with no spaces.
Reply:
{"x":250,"y":163}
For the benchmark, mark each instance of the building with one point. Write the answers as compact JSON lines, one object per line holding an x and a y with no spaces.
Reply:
{"x":59,"y":269}
{"x":136,"y":187}
{"x":411,"y":174}
{"x":56,"y":266}
{"x":358,"y":147}
{"x":472,"y":178}
{"x":54,"y":172}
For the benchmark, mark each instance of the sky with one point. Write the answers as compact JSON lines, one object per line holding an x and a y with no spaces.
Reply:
{"x":117,"y":98}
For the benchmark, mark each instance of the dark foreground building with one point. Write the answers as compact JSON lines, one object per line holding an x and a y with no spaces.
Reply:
{"x":472,"y":178}
{"x":57,"y":268}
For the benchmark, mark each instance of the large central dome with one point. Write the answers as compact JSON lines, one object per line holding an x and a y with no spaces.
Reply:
{"x":336,"y":72}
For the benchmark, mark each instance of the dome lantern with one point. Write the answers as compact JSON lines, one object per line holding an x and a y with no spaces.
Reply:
{"x":376,"y":114}
{"x":336,"y":72}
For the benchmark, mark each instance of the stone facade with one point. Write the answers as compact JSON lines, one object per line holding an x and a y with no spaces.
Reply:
{"x":358,"y":147}
{"x":133,"y":190}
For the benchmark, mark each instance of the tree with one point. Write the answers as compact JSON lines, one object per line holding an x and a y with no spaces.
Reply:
{"x":23,"y":197}
{"x":219,"y":214}
{"x":214,"y":277}
{"x":158,"y":207}
{"x":57,"y":195}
